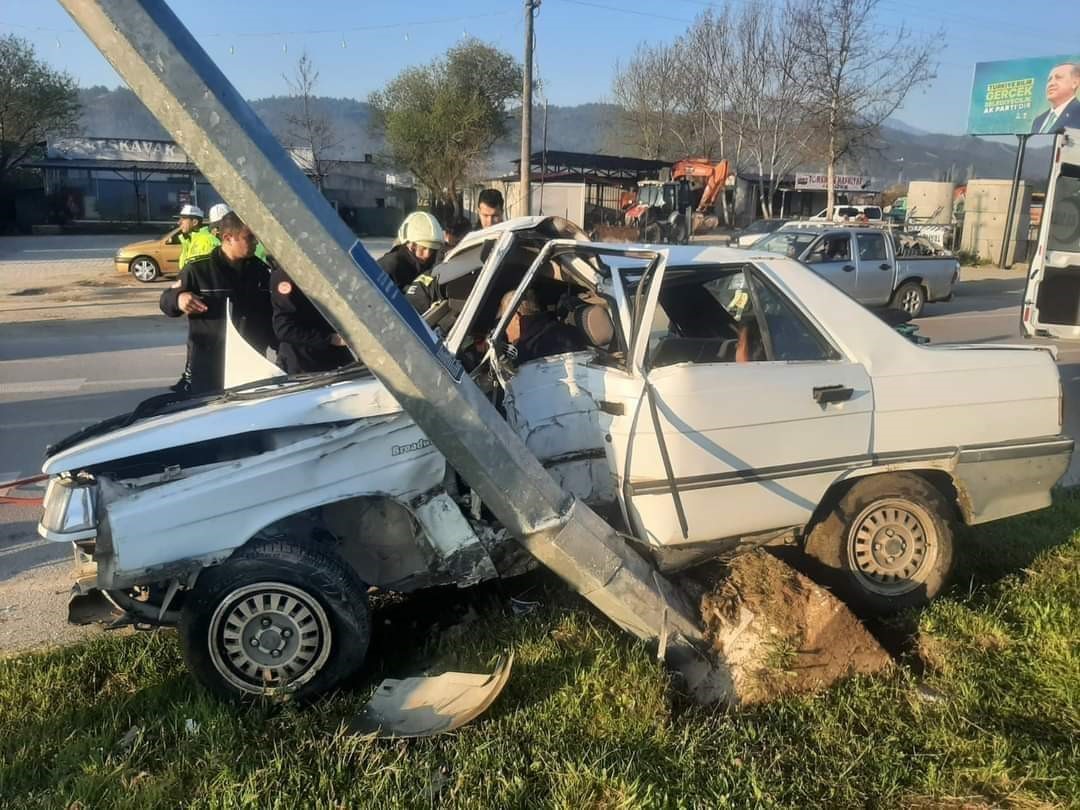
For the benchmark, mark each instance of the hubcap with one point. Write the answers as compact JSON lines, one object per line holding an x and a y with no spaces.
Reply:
{"x":892,"y":547}
{"x":143,"y":270}
{"x":910,"y":302}
{"x":269,"y":636}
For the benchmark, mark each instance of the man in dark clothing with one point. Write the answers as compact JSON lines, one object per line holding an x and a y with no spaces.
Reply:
{"x":230,"y":273}
{"x":419,"y":241}
{"x":307,"y":340}
{"x":534,"y":333}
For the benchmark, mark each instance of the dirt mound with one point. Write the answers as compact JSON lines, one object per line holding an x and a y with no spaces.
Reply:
{"x":780,"y":633}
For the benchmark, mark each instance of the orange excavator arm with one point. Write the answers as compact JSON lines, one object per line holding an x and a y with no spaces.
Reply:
{"x":715,"y":174}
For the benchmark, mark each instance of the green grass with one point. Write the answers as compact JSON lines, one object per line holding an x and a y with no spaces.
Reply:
{"x":986,"y":712}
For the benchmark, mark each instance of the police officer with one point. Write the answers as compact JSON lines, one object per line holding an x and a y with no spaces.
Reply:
{"x":196,"y":240}
{"x":230,"y":273}
{"x":307,"y":340}
{"x":419,"y":240}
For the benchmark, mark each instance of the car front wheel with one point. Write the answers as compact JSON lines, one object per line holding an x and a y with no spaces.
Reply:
{"x":144,"y":269}
{"x":277,"y":617}
{"x":888,"y":544}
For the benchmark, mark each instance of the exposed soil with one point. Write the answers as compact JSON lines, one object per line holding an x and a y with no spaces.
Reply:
{"x":780,"y":633}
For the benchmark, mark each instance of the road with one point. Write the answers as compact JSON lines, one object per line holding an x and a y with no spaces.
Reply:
{"x":80,"y":342}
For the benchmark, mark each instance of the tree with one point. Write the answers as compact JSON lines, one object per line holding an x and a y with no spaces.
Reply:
{"x":35,"y":102}
{"x":852,"y":74}
{"x":774,"y":121}
{"x":440,"y":120}
{"x":307,"y":127}
{"x":646,"y":89}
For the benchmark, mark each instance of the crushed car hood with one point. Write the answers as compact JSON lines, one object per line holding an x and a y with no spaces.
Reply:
{"x":265,"y":408}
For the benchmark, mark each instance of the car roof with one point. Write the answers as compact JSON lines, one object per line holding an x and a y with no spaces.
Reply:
{"x":473,"y":238}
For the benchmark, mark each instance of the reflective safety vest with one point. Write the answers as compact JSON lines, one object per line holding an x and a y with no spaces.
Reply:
{"x":196,"y":244}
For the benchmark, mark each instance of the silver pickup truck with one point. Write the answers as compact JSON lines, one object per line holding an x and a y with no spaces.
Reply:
{"x":873,"y":266}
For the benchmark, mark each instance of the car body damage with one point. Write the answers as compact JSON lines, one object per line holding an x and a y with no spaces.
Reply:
{"x":714,"y":400}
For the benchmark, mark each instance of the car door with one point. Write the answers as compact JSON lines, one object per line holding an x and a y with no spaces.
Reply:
{"x":876,"y":271}
{"x":729,"y":440}
{"x":1052,"y":297}
{"x":170,"y":252}
{"x":831,"y":257}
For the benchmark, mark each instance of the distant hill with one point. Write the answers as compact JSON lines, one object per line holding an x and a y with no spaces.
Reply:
{"x":589,"y":128}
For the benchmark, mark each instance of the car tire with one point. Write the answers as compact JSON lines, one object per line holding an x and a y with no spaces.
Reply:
{"x":910,"y":297}
{"x":144,"y":269}
{"x":278,"y":617}
{"x":887,"y":546}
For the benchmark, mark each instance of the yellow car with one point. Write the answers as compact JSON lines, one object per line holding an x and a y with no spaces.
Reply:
{"x":150,"y":259}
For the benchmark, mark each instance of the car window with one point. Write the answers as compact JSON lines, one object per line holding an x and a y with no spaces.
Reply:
{"x":1064,"y":231}
{"x":786,"y":243}
{"x":873,"y":212}
{"x":786,"y":334}
{"x":834,"y":247}
{"x":871,"y":247}
{"x":703,"y":315}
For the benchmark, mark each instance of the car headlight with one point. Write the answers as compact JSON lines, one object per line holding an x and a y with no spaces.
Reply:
{"x":70,"y":510}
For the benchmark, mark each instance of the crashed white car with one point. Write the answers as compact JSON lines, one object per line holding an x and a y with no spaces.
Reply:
{"x":717,"y":400}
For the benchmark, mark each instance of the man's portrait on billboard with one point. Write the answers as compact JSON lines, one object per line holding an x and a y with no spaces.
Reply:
{"x":1061,"y":87}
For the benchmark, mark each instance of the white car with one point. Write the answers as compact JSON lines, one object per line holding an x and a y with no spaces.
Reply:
{"x":872,"y":213}
{"x":711,"y":401}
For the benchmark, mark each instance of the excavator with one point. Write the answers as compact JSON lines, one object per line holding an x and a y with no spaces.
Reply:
{"x":663,"y":211}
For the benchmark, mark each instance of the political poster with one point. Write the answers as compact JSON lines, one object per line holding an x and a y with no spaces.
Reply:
{"x":1025,"y":96}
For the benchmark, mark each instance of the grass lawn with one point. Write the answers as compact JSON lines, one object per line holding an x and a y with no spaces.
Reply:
{"x":984,"y":711}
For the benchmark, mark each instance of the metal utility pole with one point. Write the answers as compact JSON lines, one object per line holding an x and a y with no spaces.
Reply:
{"x":1010,"y":216}
{"x":172,"y":75}
{"x":525,"y":171}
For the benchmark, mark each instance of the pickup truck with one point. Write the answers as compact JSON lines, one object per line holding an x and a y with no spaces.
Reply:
{"x":872,"y":265}
{"x":710,"y":400}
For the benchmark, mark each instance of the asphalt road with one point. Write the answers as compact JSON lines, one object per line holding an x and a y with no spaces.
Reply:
{"x":79,"y":343}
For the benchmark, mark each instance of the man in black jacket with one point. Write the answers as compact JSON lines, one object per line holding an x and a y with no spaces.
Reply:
{"x":307,"y":340}
{"x":230,"y":273}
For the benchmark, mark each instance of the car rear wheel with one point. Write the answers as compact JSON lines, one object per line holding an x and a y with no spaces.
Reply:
{"x":888,"y":544}
{"x":910,"y":298}
{"x":277,"y":617}
{"x":144,"y":269}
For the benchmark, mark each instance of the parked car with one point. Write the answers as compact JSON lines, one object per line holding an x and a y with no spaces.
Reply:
{"x":872,"y":213}
{"x":757,"y":229}
{"x":150,"y":259}
{"x":1052,"y":298}
{"x":874,"y":266}
{"x":719,"y":400}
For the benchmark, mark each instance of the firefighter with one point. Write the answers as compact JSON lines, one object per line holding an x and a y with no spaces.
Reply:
{"x":196,"y":240}
{"x":419,"y":240}
{"x":230,"y":273}
{"x":307,"y":341}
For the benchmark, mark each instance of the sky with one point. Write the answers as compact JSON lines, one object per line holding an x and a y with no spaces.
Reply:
{"x":358,"y":45}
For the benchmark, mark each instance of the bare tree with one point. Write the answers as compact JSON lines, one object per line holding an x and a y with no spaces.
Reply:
{"x":774,"y":121}
{"x":646,"y":89}
{"x":853,"y":75}
{"x":307,"y":127}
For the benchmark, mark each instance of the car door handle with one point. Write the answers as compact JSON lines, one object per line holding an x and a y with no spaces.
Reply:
{"x":614,"y":408}
{"x":848,"y":268}
{"x":825,"y":394}
{"x":885,"y":266}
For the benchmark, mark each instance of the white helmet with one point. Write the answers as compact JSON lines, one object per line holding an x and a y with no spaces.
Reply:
{"x":423,"y":229}
{"x":190,"y":210}
{"x":218,"y":212}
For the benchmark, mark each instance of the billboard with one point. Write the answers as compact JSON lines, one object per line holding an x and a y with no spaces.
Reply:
{"x":841,"y":182}
{"x":1025,"y":96}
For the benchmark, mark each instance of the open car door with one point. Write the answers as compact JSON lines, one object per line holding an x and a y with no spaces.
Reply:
{"x":1052,"y":298}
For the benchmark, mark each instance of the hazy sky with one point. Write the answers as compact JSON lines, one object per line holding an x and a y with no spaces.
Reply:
{"x":358,"y":45}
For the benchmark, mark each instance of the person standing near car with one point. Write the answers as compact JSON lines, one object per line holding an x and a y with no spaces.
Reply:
{"x":217,"y":212}
{"x":307,"y":341}
{"x":196,"y":240}
{"x":489,"y":208}
{"x":230,"y":273}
